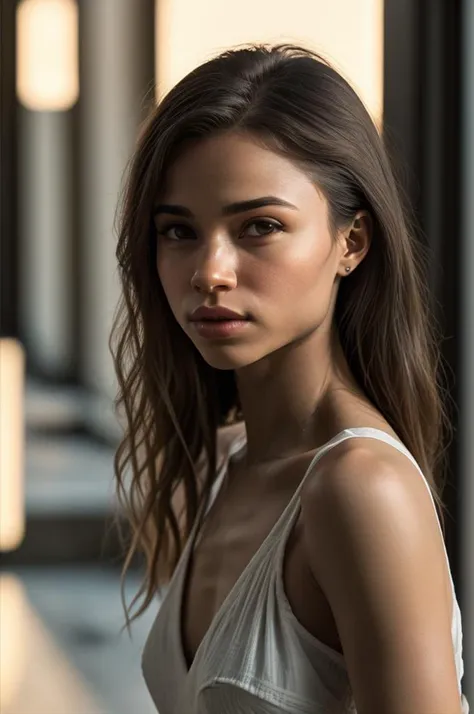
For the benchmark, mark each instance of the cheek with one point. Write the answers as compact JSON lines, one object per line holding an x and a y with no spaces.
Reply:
{"x":303,"y":271}
{"x":169,"y":274}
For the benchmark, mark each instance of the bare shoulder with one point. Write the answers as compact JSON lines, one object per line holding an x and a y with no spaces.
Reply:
{"x":369,"y":500}
{"x":374,"y":546}
{"x":364,"y":480}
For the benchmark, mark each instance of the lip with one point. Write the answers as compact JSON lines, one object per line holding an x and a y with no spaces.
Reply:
{"x":204,"y":314}
{"x":214,"y":323}
{"x":220,"y":329}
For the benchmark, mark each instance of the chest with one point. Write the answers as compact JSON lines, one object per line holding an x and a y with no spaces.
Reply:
{"x":233,"y":533}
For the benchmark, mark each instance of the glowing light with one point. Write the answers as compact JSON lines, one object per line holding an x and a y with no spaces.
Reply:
{"x":12,"y":510}
{"x":348,"y":33}
{"x":47,"y":54}
{"x":35,"y":675}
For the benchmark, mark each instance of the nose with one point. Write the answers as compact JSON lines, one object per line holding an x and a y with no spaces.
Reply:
{"x":215,"y":271}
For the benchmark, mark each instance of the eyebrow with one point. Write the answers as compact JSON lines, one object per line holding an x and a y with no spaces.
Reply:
{"x":231,"y":209}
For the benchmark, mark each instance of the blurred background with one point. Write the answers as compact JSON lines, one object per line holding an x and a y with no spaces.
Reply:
{"x":77,"y":77}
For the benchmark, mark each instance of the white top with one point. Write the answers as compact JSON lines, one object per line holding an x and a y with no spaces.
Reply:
{"x":256,"y":656}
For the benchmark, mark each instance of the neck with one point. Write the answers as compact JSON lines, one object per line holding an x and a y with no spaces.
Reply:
{"x":289,"y":398}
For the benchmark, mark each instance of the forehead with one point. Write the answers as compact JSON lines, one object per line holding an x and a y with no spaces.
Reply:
{"x":231,"y":167}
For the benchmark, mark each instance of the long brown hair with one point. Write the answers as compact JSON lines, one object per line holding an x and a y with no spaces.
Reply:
{"x":172,"y":400}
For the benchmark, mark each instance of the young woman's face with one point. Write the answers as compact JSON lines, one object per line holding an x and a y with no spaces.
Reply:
{"x":242,"y":228}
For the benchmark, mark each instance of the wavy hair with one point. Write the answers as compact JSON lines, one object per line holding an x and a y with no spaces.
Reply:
{"x":172,"y":401}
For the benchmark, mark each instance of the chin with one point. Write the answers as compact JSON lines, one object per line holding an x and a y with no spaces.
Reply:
{"x":227,"y":357}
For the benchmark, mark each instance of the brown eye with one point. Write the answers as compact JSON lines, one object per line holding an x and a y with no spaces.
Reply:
{"x":176,"y":232}
{"x":257,"y":229}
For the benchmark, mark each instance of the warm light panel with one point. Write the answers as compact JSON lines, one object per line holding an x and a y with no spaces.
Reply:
{"x":12,"y":511}
{"x":347,"y":32}
{"x":47,"y":54}
{"x":35,"y":675}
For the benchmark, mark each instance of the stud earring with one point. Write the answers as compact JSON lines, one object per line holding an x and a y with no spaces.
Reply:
{"x":348,"y":270}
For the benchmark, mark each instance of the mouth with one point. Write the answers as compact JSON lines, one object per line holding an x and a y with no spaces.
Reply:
{"x":213,"y":314}
{"x":220,"y":329}
{"x":218,"y":322}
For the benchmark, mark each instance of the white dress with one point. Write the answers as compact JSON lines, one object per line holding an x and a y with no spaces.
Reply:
{"x":256,"y":656}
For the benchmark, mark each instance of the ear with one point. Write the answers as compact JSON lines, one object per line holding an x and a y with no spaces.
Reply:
{"x":355,"y":242}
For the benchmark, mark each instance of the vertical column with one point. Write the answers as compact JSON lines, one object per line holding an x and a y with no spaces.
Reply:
{"x":47,"y":87}
{"x":8,"y":173}
{"x":467,"y":371}
{"x":46,"y":304}
{"x":117,"y":58}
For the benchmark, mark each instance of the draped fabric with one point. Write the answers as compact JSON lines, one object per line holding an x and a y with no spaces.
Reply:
{"x":256,"y":656}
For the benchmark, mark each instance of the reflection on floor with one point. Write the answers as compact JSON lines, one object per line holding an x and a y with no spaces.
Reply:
{"x":61,"y":651}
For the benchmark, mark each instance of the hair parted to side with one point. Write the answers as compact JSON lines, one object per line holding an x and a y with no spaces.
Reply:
{"x":173,"y":402}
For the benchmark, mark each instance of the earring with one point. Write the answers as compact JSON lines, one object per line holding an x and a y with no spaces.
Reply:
{"x":348,"y":270}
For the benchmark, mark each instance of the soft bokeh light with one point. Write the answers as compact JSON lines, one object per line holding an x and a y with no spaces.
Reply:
{"x":29,"y":654}
{"x":12,"y":510}
{"x":47,"y":54}
{"x":13,"y":652}
{"x":348,"y":33}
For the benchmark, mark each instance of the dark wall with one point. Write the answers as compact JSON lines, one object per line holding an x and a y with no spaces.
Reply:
{"x":8,"y":173}
{"x":422,"y":125}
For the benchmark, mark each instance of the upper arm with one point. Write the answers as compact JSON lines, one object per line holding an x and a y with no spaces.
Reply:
{"x":374,"y":547}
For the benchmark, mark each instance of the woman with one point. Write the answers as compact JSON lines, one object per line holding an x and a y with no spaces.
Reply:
{"x":279,"y":382}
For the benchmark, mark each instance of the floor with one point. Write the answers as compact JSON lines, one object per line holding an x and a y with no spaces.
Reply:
{"x":65,"y":472}
{"x":61,"y":651}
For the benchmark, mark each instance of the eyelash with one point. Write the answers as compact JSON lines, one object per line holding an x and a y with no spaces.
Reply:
{"x":277,"y":228}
